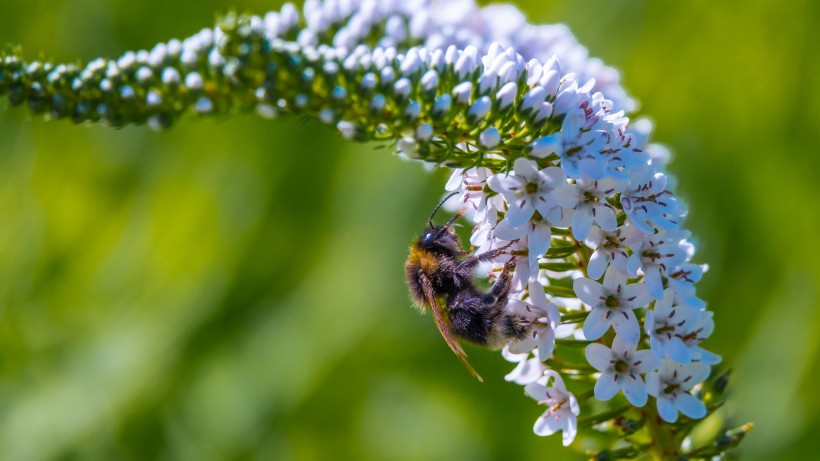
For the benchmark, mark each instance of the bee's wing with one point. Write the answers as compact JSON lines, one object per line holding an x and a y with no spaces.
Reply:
{"x":444,"y":326}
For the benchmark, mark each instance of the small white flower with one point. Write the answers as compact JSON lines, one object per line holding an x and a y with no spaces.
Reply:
{"x":670,"y":385}
{"x":682,"y":280}
{"x":593,"y":208}
{"x":545,"y":319}
{"x":697,"y":333}
{"x":655,"y":255}
{"x":666,"y":324}
{"x":610,"y":249}
{"x":621,"y":368}
{"x":471,"y":184}
{"x":537,"y":233}
{"x":527,"y":369}
{"x":612,"y":304}
{"x":648,"y":204}
{"x":581,"y":146}
{"x":562,"y":407}
{"x":530,"y":189}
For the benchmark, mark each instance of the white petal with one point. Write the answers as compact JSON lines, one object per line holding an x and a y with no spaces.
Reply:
{"x":520,"y":211}
{"x":707,"y":357}
{"x":525,"y":345}
{"x":667,"y":409}
{"x":504,"y":231}
{"x":581,"y":222}
{"x":536,"y":391}
{"x":635,"y":295}
{"x":605,"y":218}
{"x":596,"y":324}
{"x":678,"y":351}
{"x":525,"y":168}
{"x":698,"y":371}
{"x":597,"y":264}
{"x":557,"y":382}
{"x":690,"y":406}
{"x":634,"y":390}
{"x":645,"y":361}
{"x":505,"y":184}
{"x":526,"y":372}
{"x":588,"y":291}
{"x":544,"y":425}
{"x":538,"y":239}
{"x":653,"y":383}
{"x":614,"y":279}
{"x":599,"y":356}
{"x":626,"y":325}
{"x":654,"y":284}
{"x":621,"y":347}
{"x":553,"y":176}
{"x":455,"y":180}
{"x":570,"y":430}
{"x":546,"y":343}
{"x":606,"y":387}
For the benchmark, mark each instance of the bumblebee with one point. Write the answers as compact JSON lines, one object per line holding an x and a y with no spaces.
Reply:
{"x":439,"y":269}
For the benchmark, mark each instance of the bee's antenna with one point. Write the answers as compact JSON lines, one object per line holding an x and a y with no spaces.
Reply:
{"x":430,"y":221}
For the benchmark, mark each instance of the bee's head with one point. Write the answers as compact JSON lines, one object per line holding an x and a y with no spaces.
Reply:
{"x":441,"y":238}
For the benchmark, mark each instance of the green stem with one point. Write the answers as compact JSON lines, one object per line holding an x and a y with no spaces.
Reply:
{"x":663,"y":446}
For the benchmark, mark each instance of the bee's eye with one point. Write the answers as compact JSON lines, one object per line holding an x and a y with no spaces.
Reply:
{"x":428,"y":238}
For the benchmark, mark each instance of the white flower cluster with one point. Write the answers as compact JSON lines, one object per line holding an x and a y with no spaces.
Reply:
{"x":613,"y":197}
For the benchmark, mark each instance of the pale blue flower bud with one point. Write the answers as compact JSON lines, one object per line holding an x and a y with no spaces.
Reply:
{"x":378,"y":102}
{"x":170,"y":76}
{"x":442,"y":105}
{"x":479,"y":109}
{"x":424,"y":132}
{"x":544,"y":146}
{"x":327,"y":116}
{"x":347,"y":129}
{"x":462,"y":92}
{"x":368,"y":81}
{"x":387,"y":75}
{"x":413,"y":110}
{"x":533,"y":99}
{"x":203,"y":105}
{"x":506,"y":95}
{"x":402,"y":88}
{"x":193,"y":81}
{"x":489,"y":138}
{"x":429,"y":81}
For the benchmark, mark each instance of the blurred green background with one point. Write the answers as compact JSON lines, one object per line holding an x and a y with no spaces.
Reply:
{"x":234,"y":289}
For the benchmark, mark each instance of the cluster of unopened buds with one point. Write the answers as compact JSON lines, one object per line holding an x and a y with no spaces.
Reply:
{"x":543,"y":156}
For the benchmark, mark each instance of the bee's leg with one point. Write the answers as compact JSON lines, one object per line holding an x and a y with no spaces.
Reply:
{"x":470,"y":263}
{"x":501,"y":288}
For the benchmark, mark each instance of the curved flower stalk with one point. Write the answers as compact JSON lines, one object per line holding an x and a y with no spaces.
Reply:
{"x":543,"y":156}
